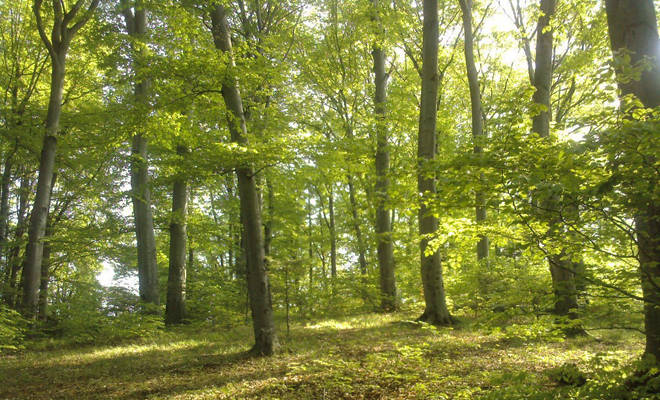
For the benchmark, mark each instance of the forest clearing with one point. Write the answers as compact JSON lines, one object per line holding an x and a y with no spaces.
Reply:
{"x":359,"y":357}
{"x":341,"y":199}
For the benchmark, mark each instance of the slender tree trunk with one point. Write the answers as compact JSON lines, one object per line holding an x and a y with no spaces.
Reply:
{"x":4,"y":206}
{"x":362,"y":259}
{"x":136,"y":26}
{"x":563,"y":280}
{"x":268,"y":226}
{"x":175,"y":308}
{"x":385,"y":249}
{"x":333,"y":235}
{"x":633,"y":28}
{"x":31,"y":275}
{"x":477,"y":119}
{"x":45,"y":273}
{"x":436,"y":311}
{"x":15,"y":262}
{"x":266,"y":341}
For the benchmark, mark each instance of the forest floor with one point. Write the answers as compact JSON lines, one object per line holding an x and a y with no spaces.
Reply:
{"x":359,"y":357}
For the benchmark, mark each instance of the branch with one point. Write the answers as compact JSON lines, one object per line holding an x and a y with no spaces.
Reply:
{"x":42,"y":31}
{"x":88,"y":15}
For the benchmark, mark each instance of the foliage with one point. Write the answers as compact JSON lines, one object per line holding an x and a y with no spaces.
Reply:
{"x":13,"y":329}
{"x":365,"y":355}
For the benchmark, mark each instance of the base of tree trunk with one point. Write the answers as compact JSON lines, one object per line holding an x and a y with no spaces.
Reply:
{"x":266,"y":344}
{"x":259,"y":350}
{"x":436,"y":319}
{"x":577,"y":331}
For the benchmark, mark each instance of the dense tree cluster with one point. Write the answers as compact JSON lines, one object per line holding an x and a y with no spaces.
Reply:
{"x":271,"y":158}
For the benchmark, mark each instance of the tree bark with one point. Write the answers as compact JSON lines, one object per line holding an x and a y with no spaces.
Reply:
{"x":175,"y":307}
{"x":563,"y":280}
{"x":477,"y":119}
{"x":266,"y":341}
{"x":15,"y":262}
{"x":333,"y":235}
{"x":633,"y":28}
{"x":4,"y":205}
{"x":362,"y":259}
{"x":385,"y":248}
{"x":136,"y":26}
{"x":58,"y":46}
{"x":31,"y":275}
{"x":436,"y":311}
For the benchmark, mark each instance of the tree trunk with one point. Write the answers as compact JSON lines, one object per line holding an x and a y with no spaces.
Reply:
{"x":477,"y":119}
{"x":31,"y":275}
{"x":45,"y":273}
{"x":385,"y":249}
{"x":362,"y":259}
{"x":15,"y":262}
{"x":268,"y":226}
{"x":633,"y":27}
{"x":266,"y":342}
{"x":175,"y":308}
{"x":333,"y":235}
{"x":136,"y":26}
{"x":543,"y":71}
{"x":4,"y":206}
{"x":563,"y":280}
{"x":436,"y":311}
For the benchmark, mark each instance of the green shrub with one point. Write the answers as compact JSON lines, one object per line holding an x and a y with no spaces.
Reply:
{"x":13,"y":328}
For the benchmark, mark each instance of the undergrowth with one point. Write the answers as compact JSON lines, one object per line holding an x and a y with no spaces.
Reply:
{"x":358,"y":357}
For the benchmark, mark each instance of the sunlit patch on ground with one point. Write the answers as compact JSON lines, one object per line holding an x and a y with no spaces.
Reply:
{"x":369,"y":357}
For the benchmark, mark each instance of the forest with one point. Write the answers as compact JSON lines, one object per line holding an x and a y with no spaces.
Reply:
{"x":329,"y":199}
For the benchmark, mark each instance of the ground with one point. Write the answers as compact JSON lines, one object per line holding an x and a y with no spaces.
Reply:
{"x":358,"y":357}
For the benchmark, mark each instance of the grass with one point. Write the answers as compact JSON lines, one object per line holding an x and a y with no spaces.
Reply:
{"x":359,"y":357}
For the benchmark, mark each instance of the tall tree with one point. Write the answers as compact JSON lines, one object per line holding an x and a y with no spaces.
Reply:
{"x":477,"y":117}
{"x":633,"y":31}
{"x":136,"y":26}
{"x":62,"y":33}
{"x":563,"y":280}
{"x":265,"y":336}
{"x":436,"y":311}
{"x":385,"y":247}
{"x":175,"y":308}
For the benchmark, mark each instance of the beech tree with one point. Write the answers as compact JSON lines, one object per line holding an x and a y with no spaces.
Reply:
{"x":383,"y":221}
{"x":136,"y":26}
{"x":265,"y":336}
{"x":633,"y":33}
{"x":436,"y":311}
{"x":62,"y":33}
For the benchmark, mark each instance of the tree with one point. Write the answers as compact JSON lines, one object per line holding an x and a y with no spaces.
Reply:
{"x":477,"y":117}
{"x":265,"y":336}
{"x":561,"y":266}
{"x":383,"y":220}
{"x":175,"y":309}
{"x":136,"y":26}
{"x":633,"y":32}
{"x":58,"y":46}
{"x":436,"y":311}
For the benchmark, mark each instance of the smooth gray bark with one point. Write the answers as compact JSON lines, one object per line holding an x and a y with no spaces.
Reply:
{"x":58,"y":47}
{"x":477,"y":118}
{"x":362,"y":259}
{"x":175,"y":307}
{"x":136,"y":27}
{"x":333,"y":234}
{"x":15,"y":262}
{"x":385,"y":249}
{"x":436,"y":311}
{"x":266,"y":341}
{"x":563,"y":280}
{"x":4,"y":205}
{"x":633,"y":28}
